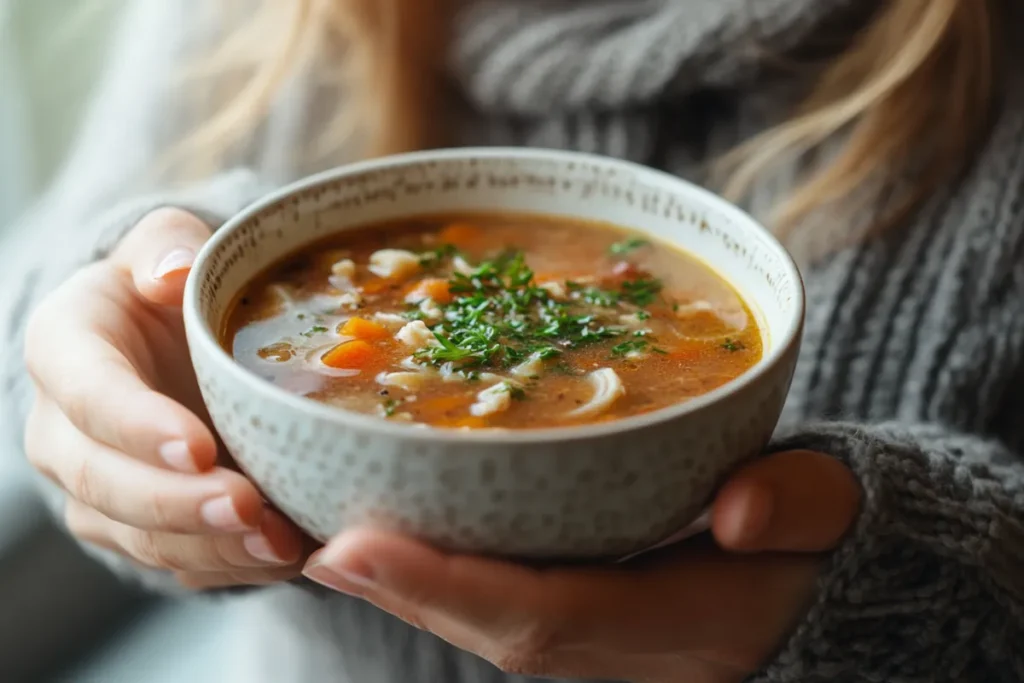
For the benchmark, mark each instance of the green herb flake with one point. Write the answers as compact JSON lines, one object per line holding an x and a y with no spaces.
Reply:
{"x":499,"y":317}
{"x":517,"y":393}
{"x":635,"y":346}
{"x":317,"y":329}
{"x":642,"y":292}
{"x":733,"y":345}
{"x":389,"y":406}
{"x":628,"y":347}
{"x":438,"y":255}
{"x":626,"y":246}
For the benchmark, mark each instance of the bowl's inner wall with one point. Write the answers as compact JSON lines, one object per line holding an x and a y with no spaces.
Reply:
{"x":633,"y":197}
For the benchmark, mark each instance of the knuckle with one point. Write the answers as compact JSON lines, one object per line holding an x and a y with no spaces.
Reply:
{"x":522,"y":664}
{"x":84,"y":483}
{"x":35,"y":438}
{"x":38,"y":333}
{"x":165,"y":513}
{"x":151,"y":550}
{"x":531,"y":652}
{"x":77,"y":395}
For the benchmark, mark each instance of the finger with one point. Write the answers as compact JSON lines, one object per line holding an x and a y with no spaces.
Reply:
{"x":535,"y":621}
{"x":100,"y":391}
{"x":135,"y":493}
{"x":160,"y":251}
{"x":204,"y":581}
{"x":452,"y":595}
{"x":275,"y":544}
{"x":797,"y":501}
{"x":422,"y":575}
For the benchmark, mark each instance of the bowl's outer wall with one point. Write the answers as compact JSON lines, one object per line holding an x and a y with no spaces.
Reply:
{"x":578,"y":497}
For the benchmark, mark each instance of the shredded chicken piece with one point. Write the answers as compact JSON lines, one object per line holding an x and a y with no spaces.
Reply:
{"x":345,"y":268}
{"x":410,"y":363}
{"x":392,"y":321}
{"x":555,"y":289}
{"x":496,"y":399}
{"x":462,"y":266}
{"x":608,"y":388}
{"x":350,"y":300}
{"x":429,"y":308}
{"x":415,"y":335}
{"x":531,"y":367}
{"x":733,"y":316}
{"x":632,"y":320}
{"x":396,"y":264}
{"x":410,"y":381}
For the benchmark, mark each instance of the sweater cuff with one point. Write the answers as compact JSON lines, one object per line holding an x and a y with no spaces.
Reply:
{"x":927,"y":585}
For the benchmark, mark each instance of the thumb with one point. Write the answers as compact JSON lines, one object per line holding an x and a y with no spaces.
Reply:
{"x":796,"y":501}
{"x":160,"y":251}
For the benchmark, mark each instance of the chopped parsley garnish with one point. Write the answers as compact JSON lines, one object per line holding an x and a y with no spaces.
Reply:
{"x":626,"y":246}
{"x":641,"y":292}
{"x":733,"y":345}
{"x":517,"y":393}
{"x":317,"y":329}
{"x":389,"y":406}
{"x":435,"y":256}
{"x":500,"y":317}
{"x":634,"y":346}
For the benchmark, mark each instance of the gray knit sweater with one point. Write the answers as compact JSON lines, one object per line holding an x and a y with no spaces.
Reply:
{"x":911,"y":373}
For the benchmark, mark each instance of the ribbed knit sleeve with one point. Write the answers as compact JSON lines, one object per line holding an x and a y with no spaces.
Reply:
{"x":930,"y":583}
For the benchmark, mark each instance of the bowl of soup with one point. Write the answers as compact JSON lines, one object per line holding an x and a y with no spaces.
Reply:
{"x":513,"y":352}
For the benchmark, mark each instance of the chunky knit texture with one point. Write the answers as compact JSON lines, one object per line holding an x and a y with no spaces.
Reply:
{"x":911,"y":371}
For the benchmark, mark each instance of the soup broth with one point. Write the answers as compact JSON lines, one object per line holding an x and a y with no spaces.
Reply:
{"x":493,"y":321}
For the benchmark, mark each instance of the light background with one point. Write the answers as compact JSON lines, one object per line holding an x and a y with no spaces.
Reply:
{"x":62,"y":619}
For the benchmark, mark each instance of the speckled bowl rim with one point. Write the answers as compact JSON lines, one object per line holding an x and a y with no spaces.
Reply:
{"x":207,"y":338}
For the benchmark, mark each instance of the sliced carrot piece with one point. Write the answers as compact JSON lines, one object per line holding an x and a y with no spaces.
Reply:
{"x":378,"y":286}
{"x":364,"y":329}
{"x":460,"y":234}
{"x":431,"y":288}
{"x":353,"y":355}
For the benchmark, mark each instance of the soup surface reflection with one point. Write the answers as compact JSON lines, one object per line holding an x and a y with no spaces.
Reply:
{"x":493,"y":321}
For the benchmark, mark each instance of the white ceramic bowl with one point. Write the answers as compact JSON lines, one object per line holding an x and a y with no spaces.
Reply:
{"x":582,"y":492}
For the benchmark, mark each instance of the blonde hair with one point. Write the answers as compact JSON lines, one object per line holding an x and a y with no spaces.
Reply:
{"x":916,"y":88}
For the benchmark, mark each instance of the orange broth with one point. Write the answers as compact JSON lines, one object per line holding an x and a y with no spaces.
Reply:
{"x":493,"y":321}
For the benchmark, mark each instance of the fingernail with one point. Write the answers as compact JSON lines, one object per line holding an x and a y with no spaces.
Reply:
{"x":176,"y":260}
{"x":349,"y":578}
{"x":259,"y":547}
{"x":178,"y":455}
{"x":220,"y":513}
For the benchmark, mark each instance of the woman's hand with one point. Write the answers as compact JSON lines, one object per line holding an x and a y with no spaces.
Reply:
{"x":695,"y":614}
{"x":119,"y":424}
